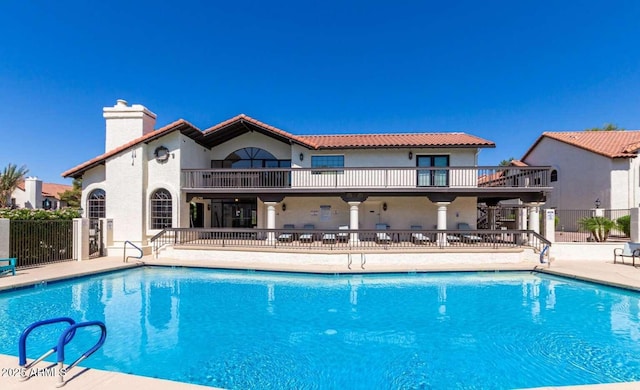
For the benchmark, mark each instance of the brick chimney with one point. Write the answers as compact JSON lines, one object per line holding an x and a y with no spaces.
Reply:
{"x":125,"y":123}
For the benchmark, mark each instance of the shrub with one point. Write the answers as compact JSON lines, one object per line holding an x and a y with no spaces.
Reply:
{"x":624,"y":224}
{"x":39,"y":214}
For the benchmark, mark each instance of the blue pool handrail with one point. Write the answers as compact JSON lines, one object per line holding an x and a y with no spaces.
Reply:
{"x":125,"y":258}
{"x":22,"y":344}
{"x":546,"y":248}
{"x":62,"y":341}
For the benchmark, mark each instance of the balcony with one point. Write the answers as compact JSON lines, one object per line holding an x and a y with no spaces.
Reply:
{"x":378,"y":179}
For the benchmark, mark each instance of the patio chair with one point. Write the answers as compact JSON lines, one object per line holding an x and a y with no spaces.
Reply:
{"x":329,"y":238}
{"x":286,"y":236}
{"x":8,"y":266}
{"x":418,"y":237}
{"x":382,"y":237}
{"x":307,"y":237}
{"x":343,"y":237}
{"x":468,"y":237}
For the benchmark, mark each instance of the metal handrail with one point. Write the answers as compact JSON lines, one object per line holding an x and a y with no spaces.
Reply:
{"x":359,"y":239}
{"x":22,"y":343}
{"x":62,"y":341}
{"x":125,"y":258}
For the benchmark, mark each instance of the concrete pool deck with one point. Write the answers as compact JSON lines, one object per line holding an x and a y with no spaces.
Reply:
{"x":604,"y":272}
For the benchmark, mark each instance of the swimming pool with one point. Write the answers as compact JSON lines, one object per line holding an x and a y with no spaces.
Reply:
{"x":242,"y":329}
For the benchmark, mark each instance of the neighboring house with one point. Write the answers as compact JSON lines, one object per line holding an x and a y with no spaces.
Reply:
{"x":243,"y":173}
{"x":589,"y":166}
{"x":32,"y":193}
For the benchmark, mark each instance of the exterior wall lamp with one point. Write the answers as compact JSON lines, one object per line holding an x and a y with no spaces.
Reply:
{"x":301,"y":156}
{"x":597,"y":203}
{"x":410,"y":155}
{"x":384,"y":206}
{"x":284,"y":207}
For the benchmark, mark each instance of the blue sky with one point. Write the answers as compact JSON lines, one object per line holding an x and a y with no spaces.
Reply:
{"x":502,"y":70}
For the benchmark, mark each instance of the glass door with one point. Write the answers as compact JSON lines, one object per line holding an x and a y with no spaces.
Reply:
{"x":239,"y":214}
{"x":433,"y":177}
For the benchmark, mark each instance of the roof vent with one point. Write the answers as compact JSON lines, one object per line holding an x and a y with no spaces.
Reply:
{"x":121,"y":103}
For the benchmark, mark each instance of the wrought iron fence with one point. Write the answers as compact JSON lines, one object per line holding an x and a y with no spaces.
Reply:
{"x":346,"y":240}
{"x":40,"y":241}
{"x":568,"y":227}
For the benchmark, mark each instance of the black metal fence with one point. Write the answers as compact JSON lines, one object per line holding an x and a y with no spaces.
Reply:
{"x":568,"y":227}
{"x":346,"y":240}
{"x":40,"y":241}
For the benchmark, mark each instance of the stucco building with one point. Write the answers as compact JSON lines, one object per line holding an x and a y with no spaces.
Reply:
{"x":243,"y":173}
{"x":32,"y":193}
{"x":589,"y":166}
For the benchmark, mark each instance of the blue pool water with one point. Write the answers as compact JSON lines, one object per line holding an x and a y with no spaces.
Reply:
{"x":253,"y":330}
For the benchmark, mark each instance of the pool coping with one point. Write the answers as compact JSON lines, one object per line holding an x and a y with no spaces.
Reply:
{"x":601,"y":272}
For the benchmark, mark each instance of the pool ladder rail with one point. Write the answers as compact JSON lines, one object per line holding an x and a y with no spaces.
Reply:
{"x":363,"y":260}
{"x":64,"y":339}
{"x":125,"y":258}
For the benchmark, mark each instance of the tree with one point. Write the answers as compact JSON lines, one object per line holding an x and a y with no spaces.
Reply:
{"x":505,"y":163}
{"x":73,"y":196}
{"x":606,"y":127}
{"x":11,"y":176}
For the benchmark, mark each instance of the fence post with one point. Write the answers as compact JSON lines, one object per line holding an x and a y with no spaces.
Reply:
{"x":107,"y":234}
{"x":4,"y":237}
{"x":635,"y":225}
{"x":80,"y":239}
{"x":550,"y":224}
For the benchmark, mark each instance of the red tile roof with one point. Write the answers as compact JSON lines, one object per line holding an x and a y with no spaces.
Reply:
{"x":518,"y":163}
{"x":611,"y":144}
{"x":52,"y":190}
{"x":145,"y":138}
{"x":311,"y":141}
{"x":396,"y":140}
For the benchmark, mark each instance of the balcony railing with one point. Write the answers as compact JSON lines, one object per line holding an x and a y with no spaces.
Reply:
{"x":346,"y":178}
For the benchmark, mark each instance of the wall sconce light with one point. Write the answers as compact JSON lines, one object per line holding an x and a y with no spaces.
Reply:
{"x":597,"y":203}
{"x":384,"y":206}
{"x":410,"y":155}
{"x":284,"y":207}
{"x":301,"y":156}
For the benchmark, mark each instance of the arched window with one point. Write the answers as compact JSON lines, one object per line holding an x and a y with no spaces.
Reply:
{"x":250,"y":157}
{"x":96,"y":204}
{"x":554,"y":175}
{"x":161,"y":209}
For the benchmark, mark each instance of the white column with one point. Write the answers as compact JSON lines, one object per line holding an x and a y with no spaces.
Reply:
{"x":534,"y":217}
{"x":442,"y":222}
{"x":522,"y":224}
{"x":271,"y":220}
{"x":354,"y":213}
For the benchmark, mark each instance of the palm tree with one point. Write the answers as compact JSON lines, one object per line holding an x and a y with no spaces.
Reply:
{"x":599,"y":227}
{"x":11,"y":176}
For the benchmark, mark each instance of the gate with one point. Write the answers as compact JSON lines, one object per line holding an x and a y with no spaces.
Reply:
{"x":95,"y":238}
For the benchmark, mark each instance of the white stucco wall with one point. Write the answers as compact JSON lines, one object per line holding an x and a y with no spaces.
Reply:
{"x":384,"y":157}
{"x":164,"y":175}
{"x":583,"y":176}
{"x":126,"y":189}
